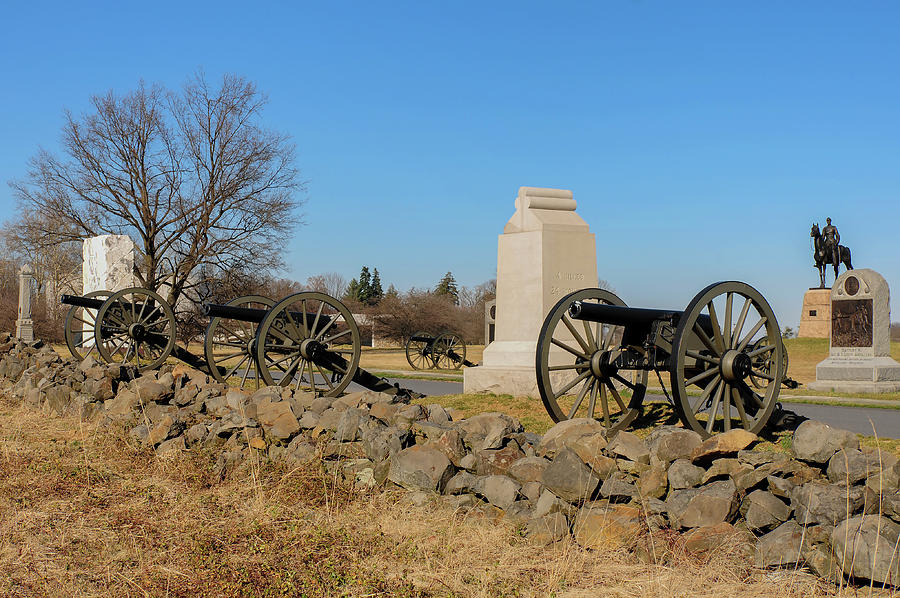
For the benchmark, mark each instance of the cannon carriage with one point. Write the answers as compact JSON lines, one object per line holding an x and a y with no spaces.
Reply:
{"x":594,"y":356}
{"x":446,"y":351}
{"x":308,"y":341}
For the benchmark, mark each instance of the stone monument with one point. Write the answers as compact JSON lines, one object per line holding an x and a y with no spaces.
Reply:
{"x":815,"y":321}
{"x":545,"y":252}
{"x":108,"y":263}
{"x":860,"y":356}
{"x":24,"y":324}
{"x":490,"y":321}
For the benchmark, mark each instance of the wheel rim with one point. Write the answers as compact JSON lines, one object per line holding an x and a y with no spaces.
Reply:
{"x":230,"y":344}
{"x":80,"y":323}
{"x":420,"y":354}
{"x":568,"y":385}
{"x":137,"y":327}
{"x":717,"y":348}
{"x":301,"y":351}
{"x":450,"y":351}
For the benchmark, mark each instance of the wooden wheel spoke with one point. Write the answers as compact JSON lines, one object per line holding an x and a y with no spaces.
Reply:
{"x":325,"y":376}
{"x":701,"y":376}
{"x":701,"y":357}
{"x":701,"y":334}
{"x":726,"y":406}
{"x":571,"y":384}
{"x":761,"y":350}
{"x":331,"y":338}
{"x":231,"y":372}
{"x":625,"y":381}
{"x":711,"y":422}
{"x":750,"y":334}
{"x":592,"y":342}
{"x":571,"y":366}
{"x":739,"y":325}
{"x":713,"y":384}
{"x":729,"y":300}
{"x":315,"y":323}
{"x":717,"y":332}
{"x":592,"y":401}
{"x":761,"y":374}
{"x":566,"y":347}
{"x":615,"y":395}
{"x":579,"y":398}
{"x":750,"y":392}
{"x":583,"y":343}
{"x":739,"y":405}
{"x":604,"y":405}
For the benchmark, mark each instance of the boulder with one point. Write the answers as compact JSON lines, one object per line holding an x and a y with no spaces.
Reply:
{"x":528,"y":469}
{"x":499,"y":490}
{"x":569,"y":478}
{"x":497,"y":461}
{"x":669,"y":443}
{"x":781,"y":547}
{"x":866,"y":548}
{"x":277,"y":419}
{"x":705,"y":506}
{"x":628,"y":445}
{"x":568,"y":431}
{"x":653,"y":483}
{"x":488,"y":430}
{"x":714,"y":537}
{"x":548,"y":529}
{"x":618,"y":488}
{"x":763,"y":510}
{"x":817,"y":442}
{"x":723,"y":445}
{"x":684,"y":474}
{"x":420,"y":468}
{"x":450,"y":443}
{"x":463,"y":482}
{"x":607,"y":527}
{"x":849,"y":466}
{"x":815,"y":502}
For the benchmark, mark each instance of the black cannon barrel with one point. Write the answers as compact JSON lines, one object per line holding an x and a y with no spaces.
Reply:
{"x":244,"y":314}
{"x":618,"y":315}
{"x":80,"y":301}
{"x":422,"y":339}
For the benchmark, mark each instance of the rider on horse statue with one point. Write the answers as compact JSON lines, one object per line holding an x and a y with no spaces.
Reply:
{"x":832,"y":240}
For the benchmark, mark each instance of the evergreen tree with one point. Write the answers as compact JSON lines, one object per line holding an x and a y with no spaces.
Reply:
{"x":447,"y":287}
{"x":392,"y":292}
{"x":365,"y":285}
{"x":376,"y":291}
{"x":352,"y":293}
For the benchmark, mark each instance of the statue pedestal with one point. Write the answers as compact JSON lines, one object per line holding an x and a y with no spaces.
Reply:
{"x":546,"y":251}
{"x":815,"y":320}
{"x":859,"y":359}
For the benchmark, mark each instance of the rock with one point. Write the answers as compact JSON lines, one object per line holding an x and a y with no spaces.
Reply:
{"x":705,"y":506}
{"x":683,"y":474}
{"x":669,"y":443}
{"x":849,"y":466}
{"x":463,"y":482}
{"x":566,"y":432}
{"x":277,"y":419}
{"x":58,"y":399}
{"x":653,"y":483}
{"x":817,"y":442}
{"x":531,"y":491}
{"x":499,"y":490}
{"x":123,"y":404}
{"x":763,"y":510}
{"x":497,"y":461}
{"x":308,"y":421}
{"x":437,"y":414}
{"x":195,"y":434}
{"x":714,"y":537}
{"x":723,"y":445}
{"x":174,"y":445}
{"x":891,"y":505}
{"x":758,"y":458}
{"x":149,"y":390}
{"x":547,"y":529}
{"x":632,"y":467}
{"x":781,"y":547}
{"x":450,"y":443}
{"x":822,"y":562}
{"x":380,"y":443}
{"x":815,"y":502}
{"x":618,"y":487}
{"x":420,"y":468}
{"x":347,"y":429}
{"x":160,"y":431}
{"x":607,"y":527}
{"x":299,"y":452}
{"x":628,"y":445}
{"x":548,"y":503}
{"x":487,"y":430}
{"x":569,"y":478}
{"x":257,"y":443}
{"x":528,"y":469}
{"x":866,"y":548}
{"x":722,"y":468}
{"x":385,"y":412}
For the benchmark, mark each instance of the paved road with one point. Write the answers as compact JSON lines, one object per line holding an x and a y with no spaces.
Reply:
{"x":860,"y":420}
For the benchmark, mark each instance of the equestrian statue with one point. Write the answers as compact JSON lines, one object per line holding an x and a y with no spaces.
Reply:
{"x":828,"y":250}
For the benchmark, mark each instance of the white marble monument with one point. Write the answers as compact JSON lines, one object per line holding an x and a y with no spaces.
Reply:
{"x":24,"y":323}
{"x":860,"y":356}
{"x":108,"y":263}
{"x":545,"y":252}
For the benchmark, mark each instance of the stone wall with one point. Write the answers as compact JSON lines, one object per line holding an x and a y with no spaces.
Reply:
{"x":830,"y":505}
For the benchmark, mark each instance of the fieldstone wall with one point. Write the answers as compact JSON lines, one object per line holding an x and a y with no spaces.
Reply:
{"x":830,"y":505}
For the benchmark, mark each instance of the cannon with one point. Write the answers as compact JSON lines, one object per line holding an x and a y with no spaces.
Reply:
{"x":594,"y":355}
{"x":446,"y":351}
{"x":308,"y":340}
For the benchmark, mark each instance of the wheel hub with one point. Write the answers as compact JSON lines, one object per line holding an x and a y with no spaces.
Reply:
{"x":311,"y":349}
{"x":735,"y":366}
{"x":137,"y":331}
{"x":602,"y":364}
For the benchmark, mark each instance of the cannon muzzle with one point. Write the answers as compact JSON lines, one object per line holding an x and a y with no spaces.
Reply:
{"x":79,"y":301}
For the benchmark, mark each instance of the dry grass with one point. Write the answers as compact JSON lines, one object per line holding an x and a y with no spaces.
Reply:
{"x":85,"y":512}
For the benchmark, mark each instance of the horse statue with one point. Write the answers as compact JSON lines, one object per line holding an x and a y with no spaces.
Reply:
{"x":823,"y":256}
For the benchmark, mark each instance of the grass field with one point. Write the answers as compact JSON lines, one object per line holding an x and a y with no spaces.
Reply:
{"x":88,"y":512}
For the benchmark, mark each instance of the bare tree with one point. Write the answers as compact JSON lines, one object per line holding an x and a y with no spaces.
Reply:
{"x":330,"y":283}
{"x":190,"y":176}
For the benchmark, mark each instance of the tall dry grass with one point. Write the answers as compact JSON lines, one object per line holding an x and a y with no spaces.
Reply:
{"x":89,"y":512}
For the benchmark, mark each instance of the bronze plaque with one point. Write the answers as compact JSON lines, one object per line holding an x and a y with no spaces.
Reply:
{"x":851,"y":323}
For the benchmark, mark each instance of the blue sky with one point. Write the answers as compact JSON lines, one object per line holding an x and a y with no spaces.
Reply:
{"x":701,"y":139}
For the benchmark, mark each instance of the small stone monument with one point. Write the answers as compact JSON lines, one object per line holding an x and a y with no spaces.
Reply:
{"x":24,"y":324}
{"x":545,"y":252}
{"x":815,"y":321}
{"x":859,"y":359}
{"x":108,"y":263}
{"x":490,"y":321}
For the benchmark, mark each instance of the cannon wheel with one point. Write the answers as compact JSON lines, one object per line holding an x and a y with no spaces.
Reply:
{"x":763,"y":364}
{"x":80,"y":323}
{"x":420,"y":354}
{"x":446,"y":343}
{"x":300,"y":351}
{"x":582,"y":382}
{"x":136,"y":326}
{"x":721,"y":357}
{"x":230,"y":344}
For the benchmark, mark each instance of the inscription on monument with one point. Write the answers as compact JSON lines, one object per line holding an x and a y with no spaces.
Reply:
{"x":851,"y":323}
